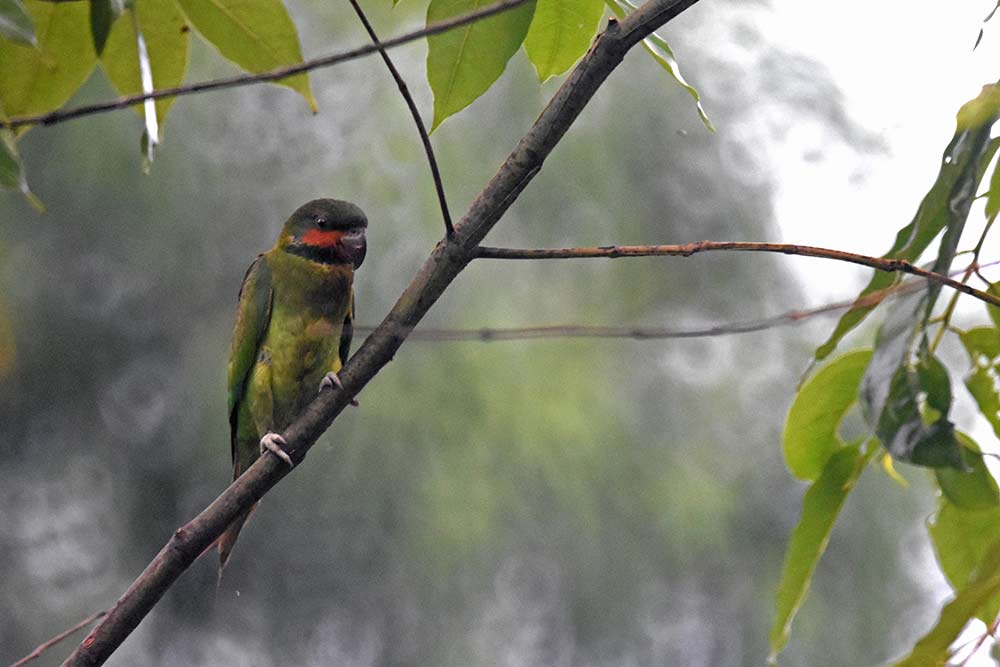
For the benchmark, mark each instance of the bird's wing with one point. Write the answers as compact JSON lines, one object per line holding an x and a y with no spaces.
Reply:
{"x":252,"y":318}
{"x":347,"y":332}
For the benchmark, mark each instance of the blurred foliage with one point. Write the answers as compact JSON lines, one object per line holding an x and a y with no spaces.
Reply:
{"x":259,"y":36}
{"x":576,"y":502}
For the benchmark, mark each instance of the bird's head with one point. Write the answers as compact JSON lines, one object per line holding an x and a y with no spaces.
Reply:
{"x":327,"y":231}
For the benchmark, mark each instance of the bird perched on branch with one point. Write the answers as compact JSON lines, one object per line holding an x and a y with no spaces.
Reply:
{"x":292,"y":333}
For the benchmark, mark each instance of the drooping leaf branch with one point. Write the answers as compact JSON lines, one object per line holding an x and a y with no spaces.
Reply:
{"x":887,"y":264}
{"x":412,"y":106}
{"x":126,"y":101}
{"x":446,"y":261}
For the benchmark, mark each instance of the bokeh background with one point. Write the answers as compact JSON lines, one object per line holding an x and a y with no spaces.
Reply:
{"x":557,"y":502}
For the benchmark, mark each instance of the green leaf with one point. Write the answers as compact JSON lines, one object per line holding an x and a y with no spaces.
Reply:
{"x":981,"y":383}
{"x":983,"y":346}
{"x":892,"y":391}
{"x":906,"y":436}
{"x":463,"y":63}
{"x":973,"y":488}
{"x":968,"y":548}
{"x":258,"y":36}
{"x":993,"y":195}
{"x":934,"y":381}
{"x":820,"y":507}
{"x":560,"y":33}
{"x":167,"y":42}
{"x":103,"y":14}
{"x":991,"y":310}
{"x":810,"y":436}
{"x":961,"y":539}
{"x":661,"y":52}
{"x":946,"y":204}
{"x":11,"y":170}
{"x":38,"y":80}
{"x":15,"y":23}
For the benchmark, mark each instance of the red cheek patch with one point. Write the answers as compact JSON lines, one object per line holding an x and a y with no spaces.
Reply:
{"x":322,"y":239}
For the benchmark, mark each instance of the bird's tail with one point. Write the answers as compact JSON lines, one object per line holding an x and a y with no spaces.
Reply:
{"x":227,"y":540}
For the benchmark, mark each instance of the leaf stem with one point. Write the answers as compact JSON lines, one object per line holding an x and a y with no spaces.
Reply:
{"x":424,"y":137}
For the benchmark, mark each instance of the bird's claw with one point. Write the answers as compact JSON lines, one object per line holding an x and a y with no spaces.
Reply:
{"x":331,"y":380}
{"x":272,"y":442}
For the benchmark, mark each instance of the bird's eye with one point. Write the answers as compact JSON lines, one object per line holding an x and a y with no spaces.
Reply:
{"x":321,"y":222}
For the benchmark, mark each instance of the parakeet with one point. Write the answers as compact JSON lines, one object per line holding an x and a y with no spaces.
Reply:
{"x":293,"y":331}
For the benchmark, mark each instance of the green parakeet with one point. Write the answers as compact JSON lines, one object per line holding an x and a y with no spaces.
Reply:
{"x":293,"y":331}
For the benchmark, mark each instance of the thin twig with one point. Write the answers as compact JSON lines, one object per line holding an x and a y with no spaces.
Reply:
{"x":424,"y":137}
{"x":979,"y":247}
{"x":45,"y":646}
{"x":688,"y":249}
{"x":487,"y":334}
{"x":445,"y":262}
{"x":261,"y":77}
{"x":991,"y":631}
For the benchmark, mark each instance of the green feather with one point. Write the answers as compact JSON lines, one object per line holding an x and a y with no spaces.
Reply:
{"x":252,"y":319}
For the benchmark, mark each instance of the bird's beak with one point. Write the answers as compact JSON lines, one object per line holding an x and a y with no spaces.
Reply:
{"x":356,"y":244}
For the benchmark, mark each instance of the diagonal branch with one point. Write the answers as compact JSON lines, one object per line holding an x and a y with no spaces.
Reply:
{"x":424,"y":138}
{"x":446,"y":261}
{"x":686,"y":250}
{"x":125,"y":101}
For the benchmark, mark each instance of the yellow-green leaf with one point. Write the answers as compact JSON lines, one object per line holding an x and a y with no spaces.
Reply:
{"x":993,"y":195}
{"x":258,"y":36}
{"x":984,"y":108}
{"x":810,"y":436}
{"x":463,"y":63}
{"x":36,"y":80}
{"x":167,"y":41}
{"x":983,"y":584}
{"x":983,"y":346}
{"x":991,"y":310}
{"x":560,"y":33}
{"x":972,"y":488}
{"x":961,"y":539}
{"x":820,"y":508}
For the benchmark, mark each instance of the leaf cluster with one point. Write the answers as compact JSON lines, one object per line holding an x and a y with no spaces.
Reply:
{"x":49,"y":49}
{"x":901,"y":396}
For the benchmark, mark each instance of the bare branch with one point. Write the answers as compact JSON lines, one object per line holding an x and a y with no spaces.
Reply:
{"x":449,"y":257}
{"x":688,"y":249}
{"x":486,"y":334}
{"x":424,"y":137}
{"x":45,"y":646}
{"x":489,"y":335}
{"x":261,"y":77}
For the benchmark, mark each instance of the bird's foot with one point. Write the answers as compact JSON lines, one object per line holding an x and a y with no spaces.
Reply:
{"x":272,"y":442}
{"x":331,"y":380}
